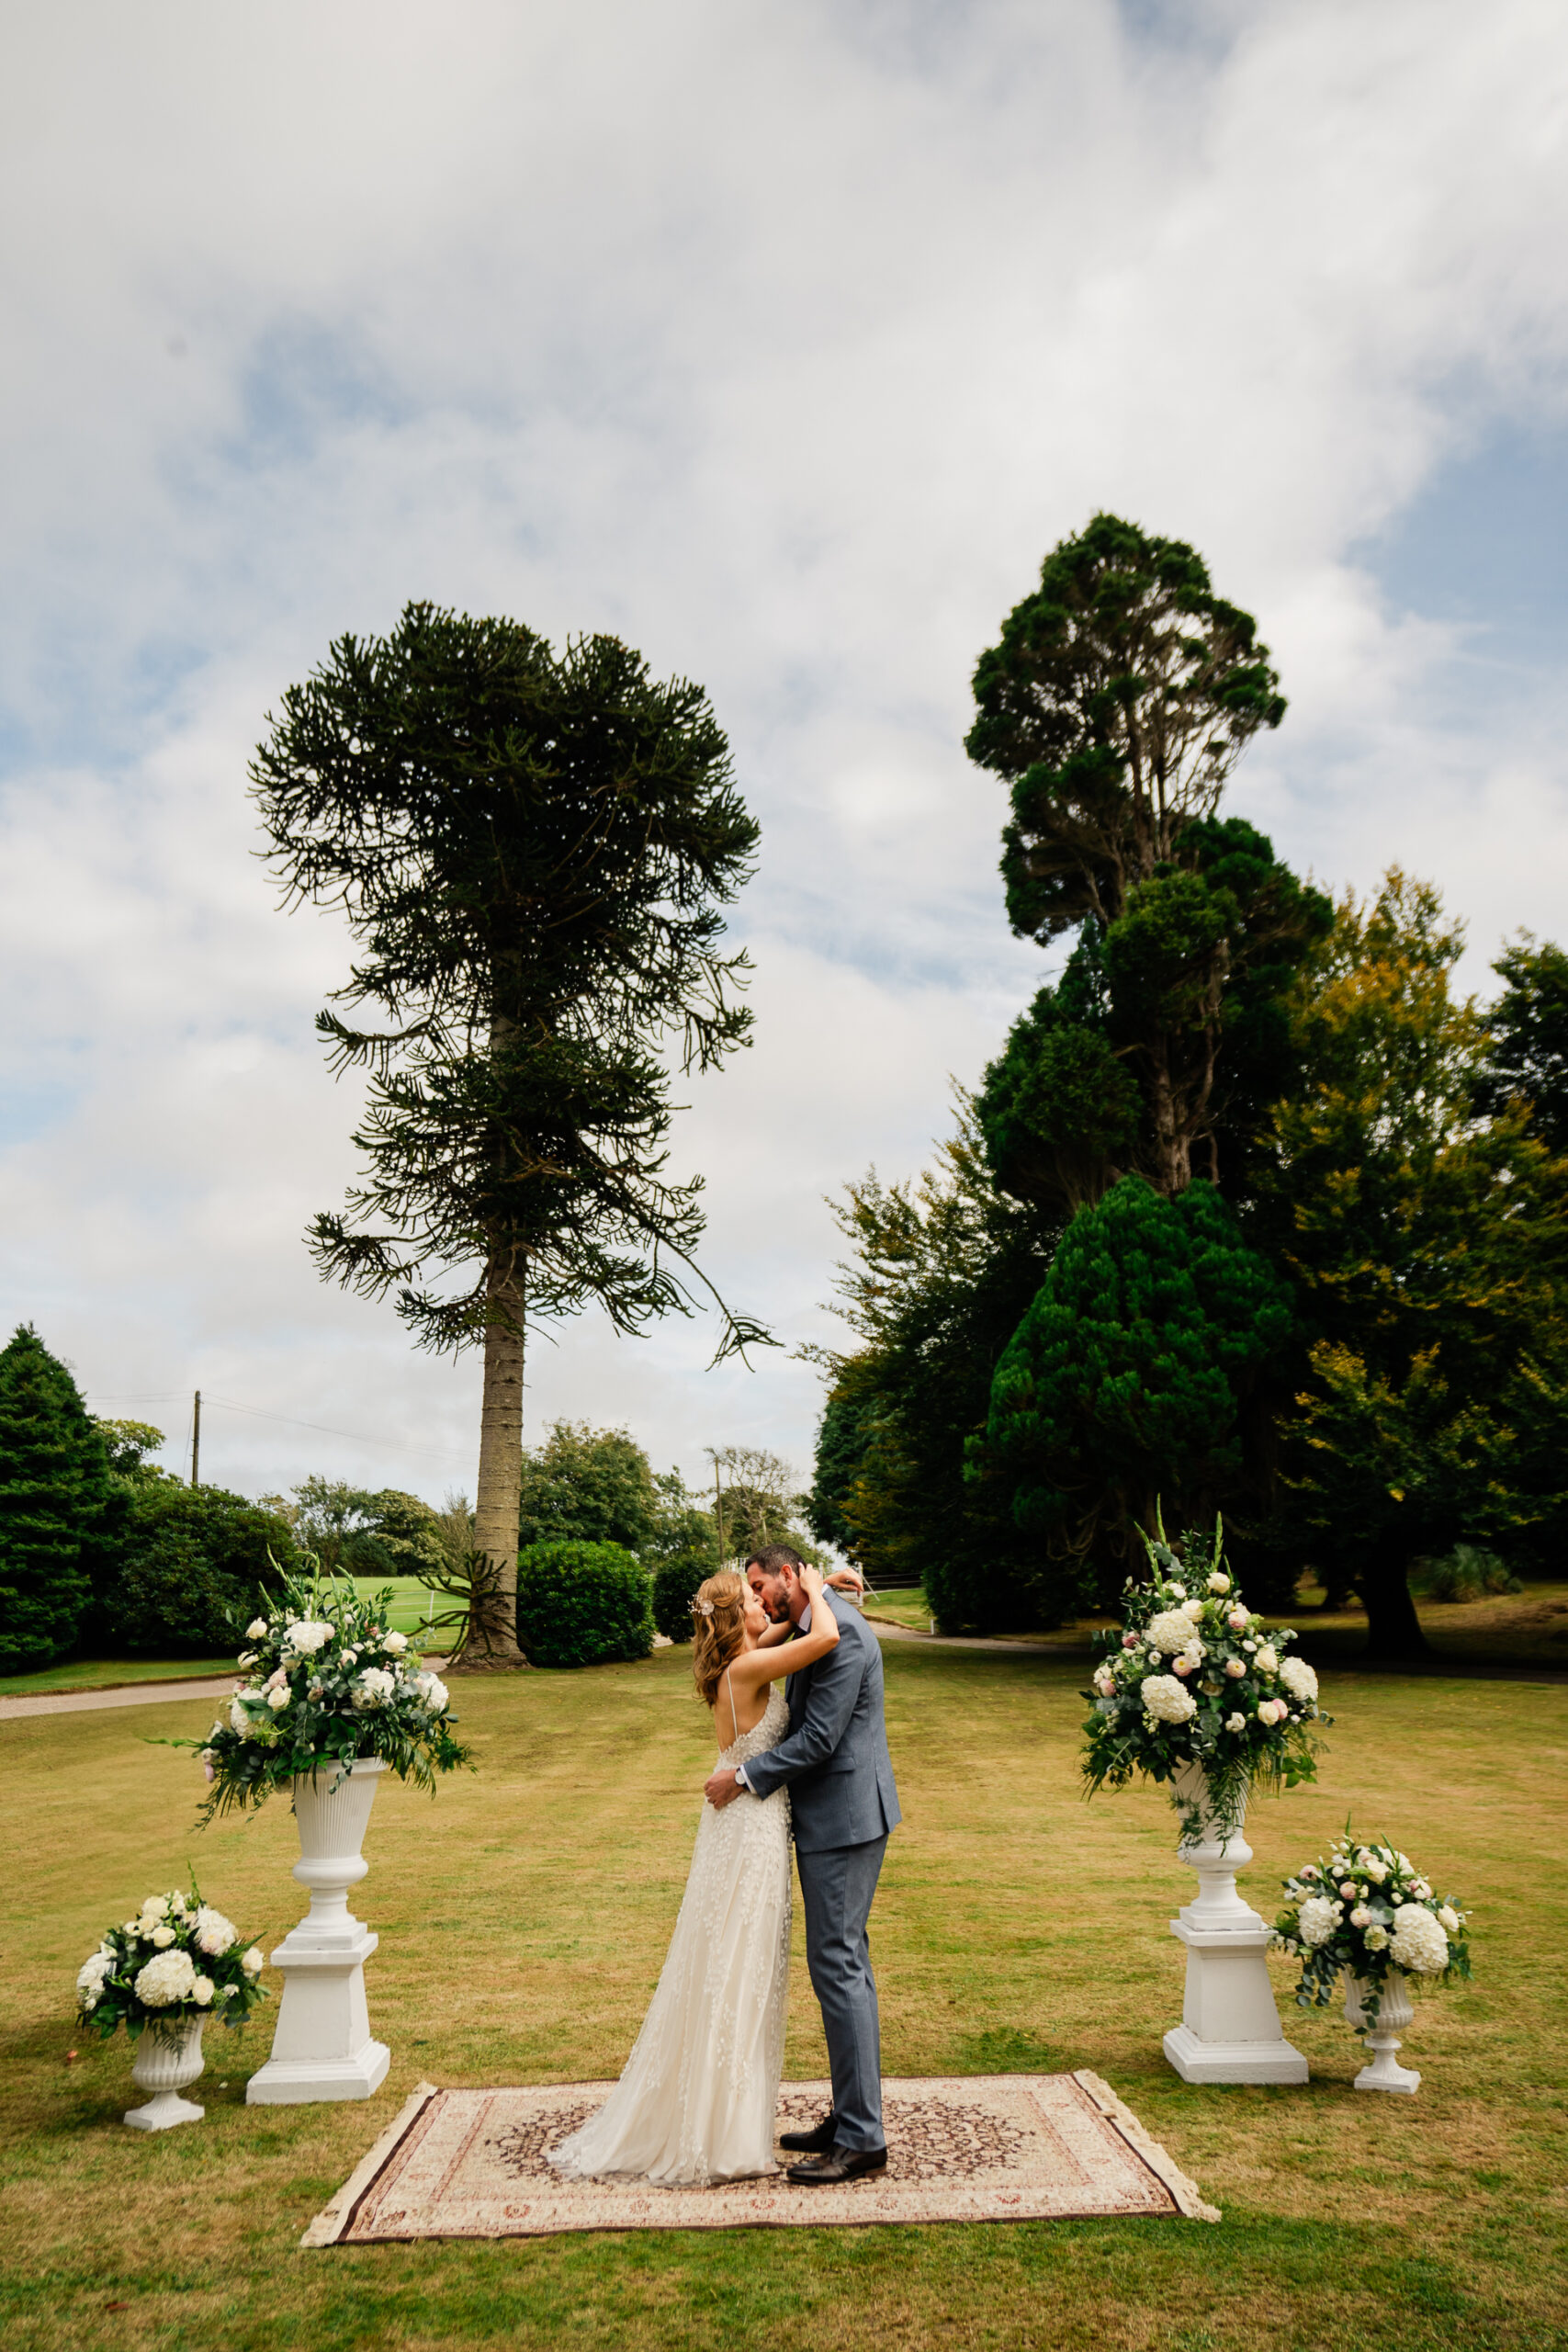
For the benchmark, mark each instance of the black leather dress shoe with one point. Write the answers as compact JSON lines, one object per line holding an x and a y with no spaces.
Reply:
{"x":818,"y":2139}
{"x":839,"y":2164}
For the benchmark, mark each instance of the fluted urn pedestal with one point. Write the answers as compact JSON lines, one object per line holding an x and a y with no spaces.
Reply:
{"x":168,"y":2060}
{"x":1230,"y":2030}
{"x":1395,"y":2011}
{"x":322,"y":2046}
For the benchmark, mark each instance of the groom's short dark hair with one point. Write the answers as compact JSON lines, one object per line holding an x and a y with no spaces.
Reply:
{"x":775,"y":1558}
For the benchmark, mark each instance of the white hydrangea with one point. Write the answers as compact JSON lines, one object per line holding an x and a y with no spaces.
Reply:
{"x":306,"y":1635}
{"x":397,"y":1643}
{"x":1299,"y":1679}
{"x":239,"y":1713}
{"x":1164,"y":1699}
{"x":251,"y":1962}
{"x":215,"y":1934}
{"x":91,"y":1976}
{"x":255,"y":1629}
{"x":435,"y":1693}
{"x":1418,"y":1943}
{"x":168,"y":1977}
{"x":373,"y":1688}
{"x":1169,"y":1632}
{"x":1319,"y":1917}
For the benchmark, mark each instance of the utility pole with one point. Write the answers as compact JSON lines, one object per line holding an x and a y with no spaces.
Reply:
{"x":196,"y":1442}
{"x":716,"y":1456}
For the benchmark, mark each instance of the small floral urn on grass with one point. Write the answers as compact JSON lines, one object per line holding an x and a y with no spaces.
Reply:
{"x":162,"y":1976}
{"x":1193,"y":1691}
{"x":334,"y":1698}
{"x":1368,"y":1914}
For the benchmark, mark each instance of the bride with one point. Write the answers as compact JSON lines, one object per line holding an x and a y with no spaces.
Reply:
{"x":697,"y":2101}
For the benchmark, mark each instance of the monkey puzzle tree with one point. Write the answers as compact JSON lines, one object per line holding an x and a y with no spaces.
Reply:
{"x":1117,"y":702}
{"x":532,"y":851}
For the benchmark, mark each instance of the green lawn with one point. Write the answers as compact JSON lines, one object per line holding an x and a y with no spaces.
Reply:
{"x":524,"y":1915}
{"x":102,"y":1673}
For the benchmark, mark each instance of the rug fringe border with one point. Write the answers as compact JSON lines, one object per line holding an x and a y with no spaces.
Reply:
{"x":1188,"y":2195}
{"x":332,"y":2220}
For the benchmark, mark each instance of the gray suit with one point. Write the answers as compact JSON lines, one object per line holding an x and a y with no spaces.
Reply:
{"x":834,"y":1759}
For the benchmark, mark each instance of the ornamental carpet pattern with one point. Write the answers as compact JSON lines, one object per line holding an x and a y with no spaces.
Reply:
{"x":471,"y":2164}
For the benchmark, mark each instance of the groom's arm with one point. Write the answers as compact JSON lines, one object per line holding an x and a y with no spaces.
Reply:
{"x":835,"y":1686}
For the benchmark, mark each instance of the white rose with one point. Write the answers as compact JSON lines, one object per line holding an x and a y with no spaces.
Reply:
{"x":1235,"y":1723}
{"x":1192,"y":1610}
{"x":1375,"y":1869}
{"x":162,"y":1937}
{"x":373,"y":1688}
{"x":1419,"y":1888}
{"x":1249,"y":1647}
{"x":1347,"y":1888}
{"x":201,"y":1992}
{"x":1236,"y":1668}
{"x":1376,"y":1938}
{"x":1450,"y":1919}
{"x":1298,"y":1678}
{"x":167,"y":1978}
{"x":1319,"y":1917}
{"x":1164,"y":1699}
{"x":251,"y":1962}
{"x":1170,"y":1631}
{"x":1236,"y":1621}
{"x":247,"y":1657}
{"x":1418,"y":1943}
{"x":278,"y":1700}
{"x":1360,"y":1917}
{"x":1218,"y":1583}
{"x":1177,"y":1591}
{"x":1267,"y":1658}
{"x":255,"y":1629}
{"x":396,"y":1643}
{"x":214,"y":1933}
{"x":1104,"y":1682}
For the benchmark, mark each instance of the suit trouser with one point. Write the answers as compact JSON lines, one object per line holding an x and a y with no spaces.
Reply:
{"x":837,"y":1884}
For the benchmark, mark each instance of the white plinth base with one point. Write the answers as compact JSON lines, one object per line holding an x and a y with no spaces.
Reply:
{"x":323,"y":2048}
{"x":1391,"y":2076}
{"x":161,"y":2114}
{"x":1230,"y":2030}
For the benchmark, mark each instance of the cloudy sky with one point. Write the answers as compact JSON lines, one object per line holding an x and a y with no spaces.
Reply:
{"x":781,"y":338}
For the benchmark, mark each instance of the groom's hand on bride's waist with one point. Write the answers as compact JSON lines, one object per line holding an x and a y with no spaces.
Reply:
{"x":724,"y":1786}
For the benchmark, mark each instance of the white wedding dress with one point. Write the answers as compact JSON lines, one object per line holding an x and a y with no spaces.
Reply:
{"x":698,"y":2099}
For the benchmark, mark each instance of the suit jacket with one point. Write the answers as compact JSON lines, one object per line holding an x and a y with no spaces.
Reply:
{"x":834,"y":1756}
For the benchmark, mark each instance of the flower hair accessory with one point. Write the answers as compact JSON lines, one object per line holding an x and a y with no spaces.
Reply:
{"x":701,"y":1608}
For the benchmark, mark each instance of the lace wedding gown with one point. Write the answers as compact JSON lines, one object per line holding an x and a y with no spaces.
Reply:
{"x":697,"y":2100}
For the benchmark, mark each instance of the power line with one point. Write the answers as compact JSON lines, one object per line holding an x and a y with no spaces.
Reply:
{"x":324,"y":1429}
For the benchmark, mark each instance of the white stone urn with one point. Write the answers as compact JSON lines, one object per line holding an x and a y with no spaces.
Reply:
{"x":1230,"y":2030}
{"x":321,"y":2047}
{"x":1395,"y":2011}
{"x":168,"y":2060}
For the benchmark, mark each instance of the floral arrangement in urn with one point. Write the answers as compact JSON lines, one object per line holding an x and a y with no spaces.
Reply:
{"x":178,"y":1959}
{"x":1368,"y":1911}
{"x":1193,"y":1679}
{"x":330,"y":1682}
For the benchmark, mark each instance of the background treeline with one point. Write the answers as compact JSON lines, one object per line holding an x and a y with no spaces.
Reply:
{"x":1253,"y":1213}
{"x":102,"y":1552}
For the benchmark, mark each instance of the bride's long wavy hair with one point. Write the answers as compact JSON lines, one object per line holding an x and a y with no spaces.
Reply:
{"x":719,"y":1630}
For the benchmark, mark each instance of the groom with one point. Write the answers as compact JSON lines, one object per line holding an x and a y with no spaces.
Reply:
{"x":834,"y":1759}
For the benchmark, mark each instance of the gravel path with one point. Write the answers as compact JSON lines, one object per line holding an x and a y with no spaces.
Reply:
{"x":124,"y":1694}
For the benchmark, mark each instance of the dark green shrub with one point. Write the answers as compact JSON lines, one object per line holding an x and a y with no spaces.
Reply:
{"x":674,"y":1582}
{"x":1466,"y":1573}
{"x":194,"y":1571}
{"x":582,"y":1604}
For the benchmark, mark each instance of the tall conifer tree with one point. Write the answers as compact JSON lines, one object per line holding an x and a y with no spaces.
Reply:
{"x":59,"y":1508}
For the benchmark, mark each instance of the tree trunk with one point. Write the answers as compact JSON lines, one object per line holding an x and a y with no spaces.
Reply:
{"x":492,"y":1638}
{"x":1394,"y":1630}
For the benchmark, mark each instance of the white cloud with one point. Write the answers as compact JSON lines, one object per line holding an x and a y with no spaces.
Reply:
{"x":782,"y":340}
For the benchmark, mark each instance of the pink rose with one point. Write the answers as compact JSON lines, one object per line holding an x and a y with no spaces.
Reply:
{"x":209,"y":1772}
{"x":1129,"y":1641}
{"x":1236,"y":1621}
{"x":1183,"y":1666}
{"x":1236,"y":1668}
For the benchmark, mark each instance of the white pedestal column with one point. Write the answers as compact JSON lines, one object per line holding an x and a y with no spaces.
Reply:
{"x":1230,"y":2030}
{"x":323,"y":2047}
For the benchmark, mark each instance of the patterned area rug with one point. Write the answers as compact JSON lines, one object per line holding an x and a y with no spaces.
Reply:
{"x":975,"y":2148}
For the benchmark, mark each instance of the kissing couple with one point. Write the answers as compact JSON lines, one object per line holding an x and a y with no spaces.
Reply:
{"x":698,"y":2101}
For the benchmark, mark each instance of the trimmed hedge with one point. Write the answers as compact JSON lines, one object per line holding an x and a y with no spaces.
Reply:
{"x":582,"y":1604}
{"x":674,"y":1582}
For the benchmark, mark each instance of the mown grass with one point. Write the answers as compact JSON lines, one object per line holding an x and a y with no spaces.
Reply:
{"x":524,"y":1917}
{"x":103,"y":1673}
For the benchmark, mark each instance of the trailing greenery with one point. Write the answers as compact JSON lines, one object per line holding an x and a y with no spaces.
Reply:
{"x":582,"y":1604}
{"x":1367,"y":1912}
{"x":61,"y":1511}
{"x":1132,"y":1374}
{"x":330,"y":1682}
